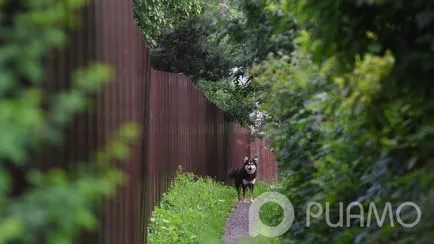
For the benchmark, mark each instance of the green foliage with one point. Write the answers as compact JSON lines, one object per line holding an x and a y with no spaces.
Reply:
{"x":257,"y":28}
{"x":287,"y":83}
{"x":252,"y":30}
{"x":235,"y":98}
{"x":152,"y":16}
{"x":192,"y":47}
{"x":40,"y":211}
{"x":193,"y":210}
{"x":57,"y":204}
{"x":351,"y":117}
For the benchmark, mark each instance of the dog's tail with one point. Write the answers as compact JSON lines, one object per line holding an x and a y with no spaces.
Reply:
{"x":231,"y":174}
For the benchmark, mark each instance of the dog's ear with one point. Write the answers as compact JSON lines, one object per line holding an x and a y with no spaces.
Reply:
{"x":255,"y":159}
{"x":246,"y":159}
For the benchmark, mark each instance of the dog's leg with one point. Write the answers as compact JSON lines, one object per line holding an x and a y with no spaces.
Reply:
{"x":251,"y":192}
{"x":244,"y":192}
{"x":238,"y":191}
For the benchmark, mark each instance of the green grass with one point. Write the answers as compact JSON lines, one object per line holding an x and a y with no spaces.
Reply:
{"x":260,"y":187}
{"x":194,"y":210}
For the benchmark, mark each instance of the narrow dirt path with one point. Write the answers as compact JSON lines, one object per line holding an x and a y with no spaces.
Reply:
{"x":237,"y":226}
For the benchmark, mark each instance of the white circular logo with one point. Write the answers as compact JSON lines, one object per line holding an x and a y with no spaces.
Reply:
{"x":255,"y":224}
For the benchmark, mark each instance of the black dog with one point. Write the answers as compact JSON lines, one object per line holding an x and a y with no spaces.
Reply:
{"x":245,"y":176}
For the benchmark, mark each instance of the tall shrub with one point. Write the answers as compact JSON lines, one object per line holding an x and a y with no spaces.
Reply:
{"x":371,"y":115}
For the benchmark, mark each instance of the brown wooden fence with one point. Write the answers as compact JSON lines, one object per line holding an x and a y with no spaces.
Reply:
{"x":179,"y":125}
{"x":184,"y":129}
{"x":267,"y":168}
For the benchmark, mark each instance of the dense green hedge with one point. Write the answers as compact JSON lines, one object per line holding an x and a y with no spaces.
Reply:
{"x":351,"y":115}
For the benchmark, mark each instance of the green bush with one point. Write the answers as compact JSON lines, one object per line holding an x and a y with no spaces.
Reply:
{"x":153,"y":16}
{"x":192,"y":47}
{"x":193,"y":210}
{"x":235,"y":98}
{"x":351,"y":115}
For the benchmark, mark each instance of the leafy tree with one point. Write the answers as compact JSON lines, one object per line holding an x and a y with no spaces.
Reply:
{"x":153,"y":15}
{"x":360,"y":133}
{"x":256,"y":28}
{"x":56,"y":204}
{"x":235,"y":98}
{"x":192,"y":48}
{"x":253,"y":30}
{"x":286,"y":85}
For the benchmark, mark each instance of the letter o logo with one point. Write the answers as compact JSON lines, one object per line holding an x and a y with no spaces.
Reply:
{"x":255,"y":224}
{"x":398,"y":214}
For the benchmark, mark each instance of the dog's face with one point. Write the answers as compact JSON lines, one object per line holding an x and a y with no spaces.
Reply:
{"x":250,"y":165}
